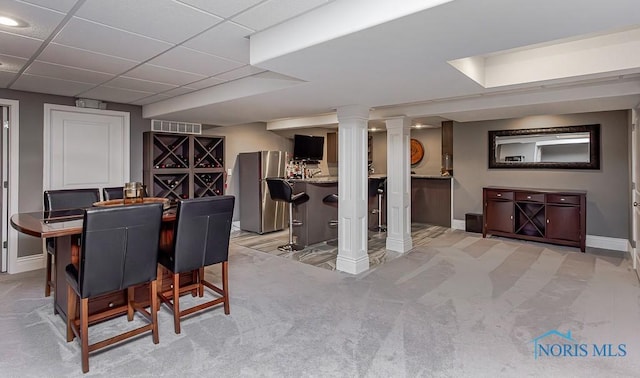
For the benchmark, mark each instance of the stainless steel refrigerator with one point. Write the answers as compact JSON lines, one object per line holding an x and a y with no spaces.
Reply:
{"x":258,"y":212}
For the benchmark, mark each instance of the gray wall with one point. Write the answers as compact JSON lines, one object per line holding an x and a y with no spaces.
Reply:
{"x":607,"y":188}
{"x":431,"y":140}
{"x":246,"y":138}
{"x":31,"y":140}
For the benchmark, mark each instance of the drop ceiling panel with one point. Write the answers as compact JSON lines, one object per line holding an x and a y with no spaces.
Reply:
{"x":153,"y":18}
{"x":59,"y":5}
{"x":114,"y":94}
{"x":11,"y":63}
{"x":163,"y":75}
{"x":226,"y":40}
{"x":16,"y":45}
{"x":102,"y":39}
{"x":73,"y":57}
{"x":139,"y":85}
{"x":151,"y":99}
{"x":223,"y":8}
{"x":41,"y":21}
{"x":5,"y":78}
{"x":67,"y":73}
{"x":188,"y":60}
{"x":43,"y":84}
{"x":274,"y":12}
{"x":206,"y":83}
{"x":240,"y":73}
{"x":178,"y":91}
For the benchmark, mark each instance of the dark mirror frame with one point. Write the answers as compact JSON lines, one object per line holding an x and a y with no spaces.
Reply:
{"x":594,"y":148}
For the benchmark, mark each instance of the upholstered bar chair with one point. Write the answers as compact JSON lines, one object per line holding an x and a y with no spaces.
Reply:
{"x":200,"y":238}
{"x":281,"y":190}
{"x":119,"y":251}
{"x":61,"y":200}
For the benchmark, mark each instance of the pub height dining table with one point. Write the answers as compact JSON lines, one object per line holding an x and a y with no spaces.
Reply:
{"x":65,"y":226}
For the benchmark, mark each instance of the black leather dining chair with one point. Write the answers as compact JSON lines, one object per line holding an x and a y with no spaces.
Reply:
{"x":116,"y":192}
{"x":282,"y":191}
{"x":119,"y":251}
{"x":200,"y":238}
{"x":112,"y":193}
{"x":61,"y":200}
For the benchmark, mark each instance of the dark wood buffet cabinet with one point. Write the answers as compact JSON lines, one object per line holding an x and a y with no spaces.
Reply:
{"x":552,"y":216}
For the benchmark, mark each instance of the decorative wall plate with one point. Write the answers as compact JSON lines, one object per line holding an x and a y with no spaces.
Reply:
{"x":417,"y":151}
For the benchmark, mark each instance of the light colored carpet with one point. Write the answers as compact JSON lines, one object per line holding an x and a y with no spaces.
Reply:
{"x":458,"y":306}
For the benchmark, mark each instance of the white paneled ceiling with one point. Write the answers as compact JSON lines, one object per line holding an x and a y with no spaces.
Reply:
{"x":191,"y":59}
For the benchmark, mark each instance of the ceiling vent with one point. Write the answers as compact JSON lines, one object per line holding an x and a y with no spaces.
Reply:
{"x":176,"y":127}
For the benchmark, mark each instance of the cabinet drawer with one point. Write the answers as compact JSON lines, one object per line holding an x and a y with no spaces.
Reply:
{"x":568,"y":199}
{"x":530,"y":197}
{"x":499,"y":194}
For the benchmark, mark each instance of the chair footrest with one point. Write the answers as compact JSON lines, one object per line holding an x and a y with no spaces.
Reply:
{"x":296,"y":223}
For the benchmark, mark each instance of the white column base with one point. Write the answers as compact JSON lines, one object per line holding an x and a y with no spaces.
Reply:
{"x":353,"y":266}
{"x":400,"y":245}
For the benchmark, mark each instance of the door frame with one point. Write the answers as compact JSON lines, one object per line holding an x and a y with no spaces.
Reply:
{"x":14,"y":263}
{"x":635,"y":167}
{"x":49,"y":108}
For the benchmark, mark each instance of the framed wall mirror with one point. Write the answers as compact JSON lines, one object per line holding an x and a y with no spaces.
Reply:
{"x":568,"y":147}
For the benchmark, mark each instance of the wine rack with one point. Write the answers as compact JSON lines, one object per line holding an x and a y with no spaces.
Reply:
{"x":183,"y":166}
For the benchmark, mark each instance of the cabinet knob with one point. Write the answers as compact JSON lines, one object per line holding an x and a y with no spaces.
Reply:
{"x":635,"y":204}
{"x":498,"y":195}
{"x":547,"y":220}
{"x":511,"y":217}
{"x":562,"y":199}
{"x":528,"y":197}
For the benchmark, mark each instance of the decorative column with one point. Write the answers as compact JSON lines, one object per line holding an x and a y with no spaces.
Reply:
{"x":398,"y":191}
{"x":352,"y":189}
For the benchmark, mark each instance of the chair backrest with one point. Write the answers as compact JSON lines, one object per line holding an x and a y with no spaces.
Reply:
{"x":116,"y":192}
{"x":119,"y":247}
{"x":202,"y":231}
{"x":70,"y":198}
{"x":279,"y":189}
{"x":374,"y":184}
{"x":112,"y":193}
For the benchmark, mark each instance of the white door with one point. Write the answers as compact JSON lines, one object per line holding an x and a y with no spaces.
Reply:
{"x":635,"y":178}
{"x":85,"y":148}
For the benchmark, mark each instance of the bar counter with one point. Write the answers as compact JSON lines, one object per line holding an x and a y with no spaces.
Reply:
{"x":314,"y":214}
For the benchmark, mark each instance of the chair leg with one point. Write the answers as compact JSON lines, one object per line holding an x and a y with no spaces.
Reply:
{"x":176,"y":302}
{"x":84,"y":333}
{"x":225,"y":286}
{"x":194,"y":278}
{"x":130,"y":299}
{"x":47,"y":282}
{"x":71,"y":313}
{"x":153,"y":292}
{"x":159,"y":284}
{"x":201,"y":285}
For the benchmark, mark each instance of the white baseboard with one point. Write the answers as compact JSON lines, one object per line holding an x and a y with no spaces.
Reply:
{"x":615,"y":244}
{"x":235,"y":225}
{"x":594,"y":241}
{"x":458,"y":224}
{"x":27,"y":263}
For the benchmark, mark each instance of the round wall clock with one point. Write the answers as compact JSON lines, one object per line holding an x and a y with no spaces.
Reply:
{"x":417,"y":151}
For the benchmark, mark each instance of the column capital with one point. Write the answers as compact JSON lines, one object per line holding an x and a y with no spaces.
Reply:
{"x":348,"y":112}
{"x":398,"y":123}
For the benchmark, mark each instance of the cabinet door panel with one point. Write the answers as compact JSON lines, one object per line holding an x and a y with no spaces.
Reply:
{"x":563,"y":222}
{"x":500,"y":216}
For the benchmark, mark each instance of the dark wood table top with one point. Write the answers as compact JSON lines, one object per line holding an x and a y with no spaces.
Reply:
{"x":59,"y":223}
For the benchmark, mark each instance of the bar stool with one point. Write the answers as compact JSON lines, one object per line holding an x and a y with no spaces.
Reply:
{"x":332,"y":200}
{"x":281,"y":190}
{"x":377,"y":187}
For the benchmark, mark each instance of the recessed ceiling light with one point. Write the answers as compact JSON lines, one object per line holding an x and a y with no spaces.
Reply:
{"x":12,"y":21}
